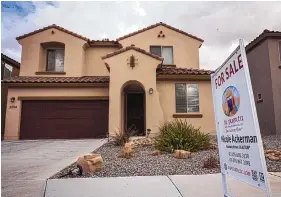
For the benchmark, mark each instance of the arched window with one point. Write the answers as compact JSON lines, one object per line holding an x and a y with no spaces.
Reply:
{"x":54,"y":55}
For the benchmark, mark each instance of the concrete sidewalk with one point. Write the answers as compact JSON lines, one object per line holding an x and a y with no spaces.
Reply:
{"x":27,"y":164}
{"x":156,"y":186}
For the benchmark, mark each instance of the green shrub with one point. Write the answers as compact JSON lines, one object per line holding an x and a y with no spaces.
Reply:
{"x":179,"y":135}
{"x":121,"y":137}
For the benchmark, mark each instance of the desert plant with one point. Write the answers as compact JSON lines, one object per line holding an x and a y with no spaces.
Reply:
{"x":211,"y":162}
{"x":127,"y":151}
{"x":121,"y":137}
{"x":179,"y":135}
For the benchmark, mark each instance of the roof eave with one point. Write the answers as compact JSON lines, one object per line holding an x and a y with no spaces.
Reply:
{"x":55,"y":27}
{"x":156,"y":25}
{"x":132,"y":48}
{"x":263,"y":36}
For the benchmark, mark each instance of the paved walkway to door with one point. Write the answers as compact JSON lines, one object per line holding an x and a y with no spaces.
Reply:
{"x":27,"y":164}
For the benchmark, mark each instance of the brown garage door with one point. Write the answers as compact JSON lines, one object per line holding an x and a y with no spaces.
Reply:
{"x":64,"y":119}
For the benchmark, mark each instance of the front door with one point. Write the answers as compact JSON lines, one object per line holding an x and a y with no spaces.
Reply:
{"x":135,"y":112}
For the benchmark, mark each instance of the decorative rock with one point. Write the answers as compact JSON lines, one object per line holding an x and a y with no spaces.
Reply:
{"x":269,"y":151}
{"x":156,"y":152}
{"x":90,"y":163}
{"x":182,"y":154}
{"x":142,"y":142}
{"x":273,"y":155}
{"x":127,"y":151}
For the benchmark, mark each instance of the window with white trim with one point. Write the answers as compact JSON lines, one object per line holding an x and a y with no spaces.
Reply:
{"x":187,"y":98}
{"x":163,"y":51}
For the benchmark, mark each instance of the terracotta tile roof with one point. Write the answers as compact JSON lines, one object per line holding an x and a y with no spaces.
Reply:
{"x":10,"y":60}
{"x":182,"y":71}
{"x":85,"y":79}
{"x":264,"y":35}
{"x":133,"y":48}
{"x":155,"y":25}
{"x":104,"y":42}
{"x":56,"y":27}
{"x":102,"y":79}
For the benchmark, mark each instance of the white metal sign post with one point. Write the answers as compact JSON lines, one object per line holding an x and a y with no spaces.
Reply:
{"x":240,"y":144}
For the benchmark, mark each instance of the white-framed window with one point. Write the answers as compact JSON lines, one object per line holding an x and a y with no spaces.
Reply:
{"x":187,"y":98}
{"x":7,"y":71}
{"x":163,"y":51}
{"x":55,"y":60}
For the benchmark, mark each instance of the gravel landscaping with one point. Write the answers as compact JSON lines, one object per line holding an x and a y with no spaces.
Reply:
{"x":144,"y":164}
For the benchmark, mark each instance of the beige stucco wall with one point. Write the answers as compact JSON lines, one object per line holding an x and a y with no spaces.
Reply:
{"x":167,"y":93}
{"x":145,"y":74}
{"x":94,"y":65}
{"x":12,"y":128}
{"x":79,"y":61}
{"x":33,"y":58}
{"x":185,"y":48}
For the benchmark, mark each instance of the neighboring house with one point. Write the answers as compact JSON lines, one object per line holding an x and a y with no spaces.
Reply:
{"x":264,"y":59}
{"x":9,"y":68}
{"x":73,"y":87}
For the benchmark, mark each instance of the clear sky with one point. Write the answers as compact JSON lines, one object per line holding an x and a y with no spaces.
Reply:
{"x":220,"y":24}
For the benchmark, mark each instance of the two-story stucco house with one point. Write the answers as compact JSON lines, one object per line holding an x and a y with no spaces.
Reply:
{"x":73,"y":87}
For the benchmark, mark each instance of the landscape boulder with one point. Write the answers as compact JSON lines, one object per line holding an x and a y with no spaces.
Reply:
{"x":182,"y":154}
{"x":274,"y":155}
{"x":90,"y":163}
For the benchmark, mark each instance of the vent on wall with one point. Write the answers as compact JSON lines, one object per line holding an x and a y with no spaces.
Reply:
{"x":161,"y":35}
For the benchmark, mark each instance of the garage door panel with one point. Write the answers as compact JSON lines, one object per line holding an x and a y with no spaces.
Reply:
{"x":64,"y":119}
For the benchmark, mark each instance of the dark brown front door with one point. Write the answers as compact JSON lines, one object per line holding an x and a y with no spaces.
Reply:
{"x":135,"y":112}
{"x":64,"y":119}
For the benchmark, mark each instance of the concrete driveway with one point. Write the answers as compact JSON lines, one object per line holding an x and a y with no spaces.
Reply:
{"x":27,"y":164}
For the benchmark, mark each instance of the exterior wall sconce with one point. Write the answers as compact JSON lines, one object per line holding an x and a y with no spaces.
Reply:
{"x":150,"y":90}
{"x":132,"y":61}
{"x":12,"y":99}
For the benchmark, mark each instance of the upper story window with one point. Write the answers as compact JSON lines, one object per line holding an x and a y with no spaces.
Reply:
{"x":52,"y":57}
{"x":55,"y":60}
{"x":163,"y":51}
{"x":7,"y":70}
{"x":187,"y":98}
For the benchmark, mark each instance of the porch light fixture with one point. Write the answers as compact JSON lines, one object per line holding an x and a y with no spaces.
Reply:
{"x":132,"y":61}
{"x":150,"y":90}
{"x":12,"y":99}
